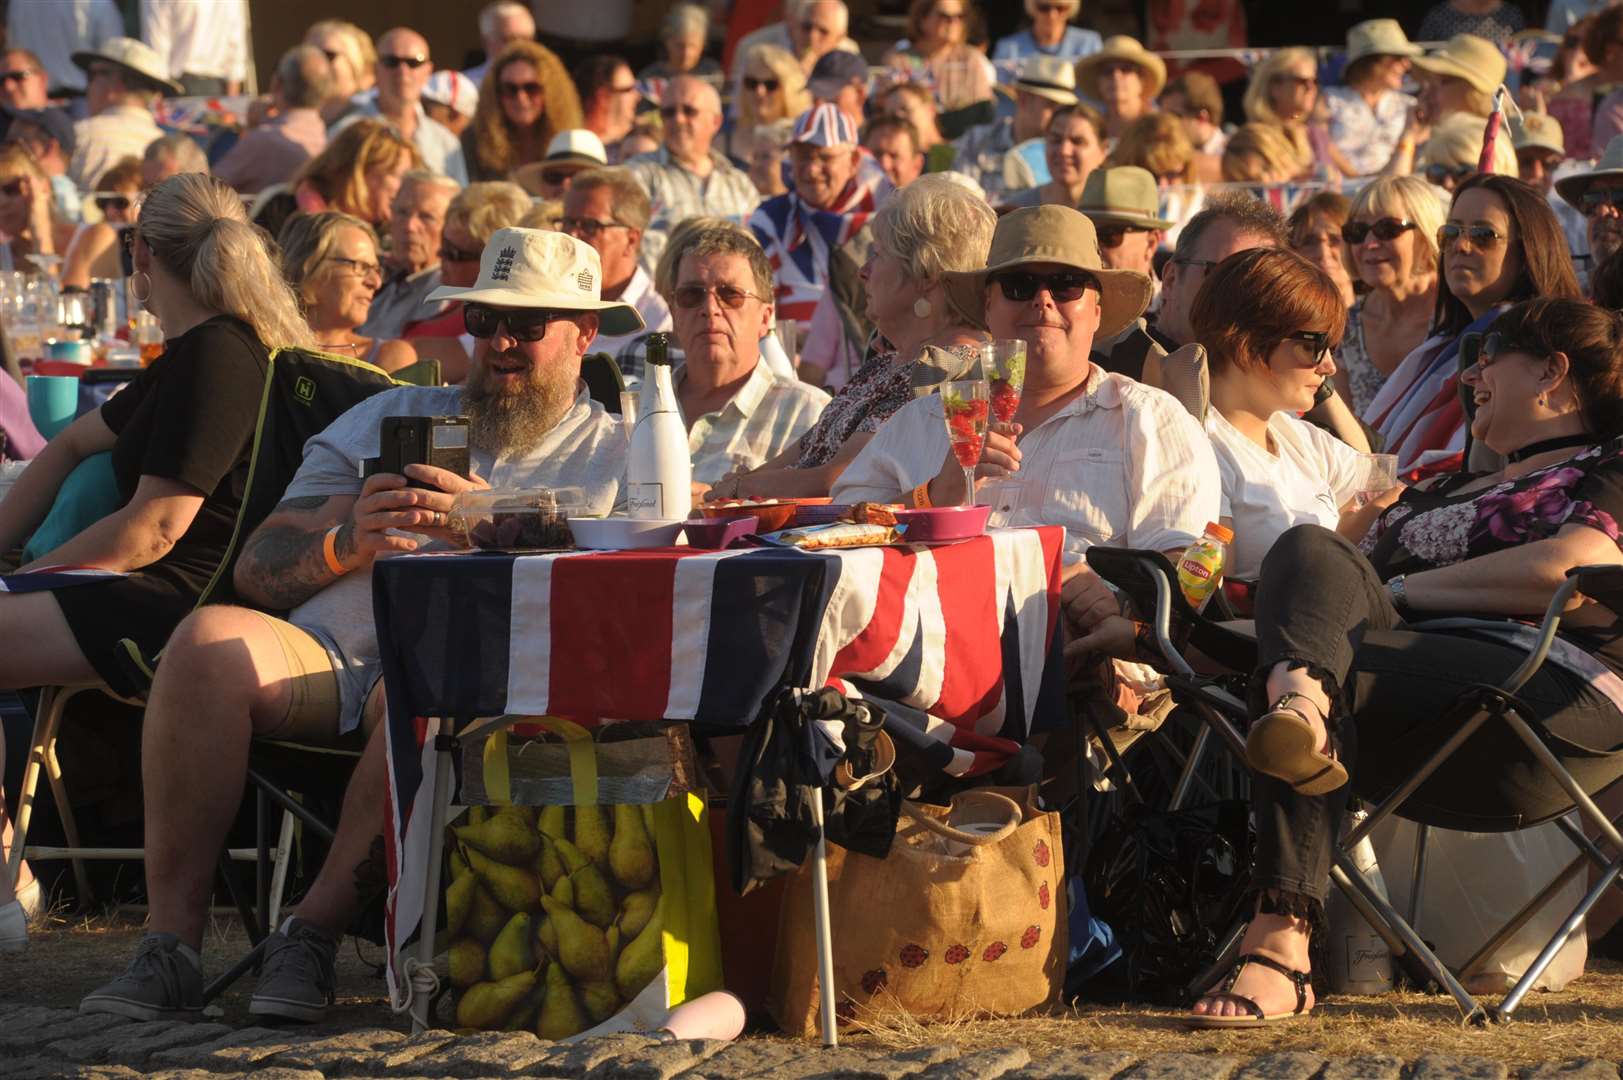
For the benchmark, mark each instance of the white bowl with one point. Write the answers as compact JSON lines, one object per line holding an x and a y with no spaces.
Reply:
{"x":620,"y":533}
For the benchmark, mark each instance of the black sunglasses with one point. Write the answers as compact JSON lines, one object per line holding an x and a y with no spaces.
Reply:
{"x":1440,"y":174}
{"x":669,"y":112}
{"x":1316,"y":340}
{"x":1111,"y":236}
{"x":1480,"y":236}
{"x":119,"y":203}
{"x":1355,"y":232}
{"x":528,"y":89}
{"x":1594,"y":200}
{"x":692,"y":296}
{"x":14,"y":76}
{"x":482,"y":321}
{"x":1063,"y":285}
{"x":449,"y":253}
{"x":413,"y":62}
{"x":587,"y":228}
{"x":1478,"y":349}
{"x":753,"y":84}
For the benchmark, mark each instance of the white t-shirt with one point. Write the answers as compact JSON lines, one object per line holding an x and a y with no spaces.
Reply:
{"x":1309,"y":478}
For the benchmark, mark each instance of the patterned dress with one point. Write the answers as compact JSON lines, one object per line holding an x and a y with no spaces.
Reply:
{"x":880,"y":386}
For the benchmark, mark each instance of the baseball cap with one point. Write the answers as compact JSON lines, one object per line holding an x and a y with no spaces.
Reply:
{"x":454,"y":89}
{"x":834,"y":71}
{"x":825,"y":125}
{"x":54,"y":122}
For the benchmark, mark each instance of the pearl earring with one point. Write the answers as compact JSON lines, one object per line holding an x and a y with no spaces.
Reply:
{"x":922,"y":308}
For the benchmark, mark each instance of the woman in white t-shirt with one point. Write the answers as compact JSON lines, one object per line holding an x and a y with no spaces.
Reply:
{"x":1268,"y":319}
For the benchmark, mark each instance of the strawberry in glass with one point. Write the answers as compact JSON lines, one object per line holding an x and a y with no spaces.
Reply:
{"x":965,"y":405}
{"x":1005,"y":361}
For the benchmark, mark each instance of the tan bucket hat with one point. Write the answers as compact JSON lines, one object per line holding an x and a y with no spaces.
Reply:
{"x":1379,"y":37}
{"x":1122,"y":49}
{"x":1539,"y":131}
{"x":1572,"y":188}
{"x":538,"y":268}
{"x":134,"y":56}
{"x":1123,"y":195}
{"x":1465,"y":56}
{"x":1054,"y":234}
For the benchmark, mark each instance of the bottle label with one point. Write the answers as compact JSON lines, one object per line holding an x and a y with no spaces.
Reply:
{"x":645,"y":500}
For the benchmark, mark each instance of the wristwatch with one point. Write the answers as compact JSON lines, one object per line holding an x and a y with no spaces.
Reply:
{"x":1398,"y":588}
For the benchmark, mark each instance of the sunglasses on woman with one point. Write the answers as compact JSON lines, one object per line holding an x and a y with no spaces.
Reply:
{"x":527,"y":89}
{"x":1480,"y":236}
{"x":1442,"y":175}
{"x":113,"y":203}
{"x":692,"y":296}
{"x":1481,"y":350}
{"x":752,"y":84}
{"x":1317,"y":341}
{"x":523,"y":324}
{"x":1065,"y":286}
{"x":1385,"y":230}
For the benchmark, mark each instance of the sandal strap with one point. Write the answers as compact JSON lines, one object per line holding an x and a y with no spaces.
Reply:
{"x":1301,"y":980}
{"x":1284,"y":702}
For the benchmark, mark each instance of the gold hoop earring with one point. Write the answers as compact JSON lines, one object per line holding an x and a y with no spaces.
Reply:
{"x":135,"y":292}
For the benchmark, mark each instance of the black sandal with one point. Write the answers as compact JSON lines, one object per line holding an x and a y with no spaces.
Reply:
{"x":1282,"y":744}
{"x":1299,"y":979}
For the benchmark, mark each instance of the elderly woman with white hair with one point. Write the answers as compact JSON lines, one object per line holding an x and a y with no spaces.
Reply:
{"x":1050,"y":34}
{"x":682,"y":37}
{"x":931,"y":227}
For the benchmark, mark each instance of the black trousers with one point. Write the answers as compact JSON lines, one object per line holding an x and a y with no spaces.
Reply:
{"x":1320,"y":605}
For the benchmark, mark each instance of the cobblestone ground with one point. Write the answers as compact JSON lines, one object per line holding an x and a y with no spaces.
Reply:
{"x":42,"y":1042}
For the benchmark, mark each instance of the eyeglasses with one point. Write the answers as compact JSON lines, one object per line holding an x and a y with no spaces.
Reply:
{"x":1481,"y":350}
{"x":587,"y":228}
{"x":413,"y":62}
{"x":692,"y":296}
{"x":115,"y":203}
{"x":1317,"y":341}
{"x":448,"y":253}
{"x":1111,"y":236}
{"x":1480,"y":236}
{"x":527,"y":89}
{"x":1442,"y":175}
{"x":14,"y":76}
{"x":668,"y":112}
{"x":1204,"y":264}
{"x":556,"y":177}
{"x":1355,"y":232}
{"x":1053,"y":9}
{"x":753,"y":84}
{"x":1065,"y":286}
{"x":523,"y":324}
{"x":358,"y":266}
{"x":1593,"y":200}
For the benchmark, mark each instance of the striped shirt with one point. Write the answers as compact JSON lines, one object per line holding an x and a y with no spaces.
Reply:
{"x":677,"y":194}
{"x":766,"y":417}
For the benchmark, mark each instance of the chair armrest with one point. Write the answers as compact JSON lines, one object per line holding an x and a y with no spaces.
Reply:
{"x":1601,"y":583}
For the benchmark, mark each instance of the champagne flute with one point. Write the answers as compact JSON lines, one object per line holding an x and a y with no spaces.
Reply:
{"x":965,"y":405}
{"x":1005,"y":361}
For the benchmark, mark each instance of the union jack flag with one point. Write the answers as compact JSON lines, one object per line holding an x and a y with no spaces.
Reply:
{"x":957,"y":642}
{"x":798,"y":238}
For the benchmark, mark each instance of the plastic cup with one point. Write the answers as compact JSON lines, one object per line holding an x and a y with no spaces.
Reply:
{"x":53,"y":402}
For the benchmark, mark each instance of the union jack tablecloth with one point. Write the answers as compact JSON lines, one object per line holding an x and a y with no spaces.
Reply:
{"x":958,"y":641}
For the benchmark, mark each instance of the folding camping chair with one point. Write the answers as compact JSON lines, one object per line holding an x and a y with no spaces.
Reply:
{"x":304,"y":392}
{"x":1150,"y":581}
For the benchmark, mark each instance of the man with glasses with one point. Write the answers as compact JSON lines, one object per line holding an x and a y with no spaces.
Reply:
{"x":402,"y":70}
{"x":608,"y":100}
{"x":685,"y":177}
{"x":809,"y":29}
{"x":608,"y":209}
{"x":995,"y":154}
{"x":230,"y":673}
{"x":570,"y":152}
{"x":739,"y":415}
{"x":56,"y":29}
{"x":125,"y":79}
{"x":272,"y":152}
{"x":411,"y":270}
{"x":1227,"y":224}
{"x":1124,"y":205}
{"x":22,"y":81}
{"x":1598,"y":195}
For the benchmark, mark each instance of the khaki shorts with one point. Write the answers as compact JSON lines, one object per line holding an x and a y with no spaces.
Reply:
{"x":313,"y":699}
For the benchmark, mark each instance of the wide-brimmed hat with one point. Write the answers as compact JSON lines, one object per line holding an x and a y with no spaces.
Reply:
{"x":1465,"y":56}
{"x":1123,"y":195}
{"x":1379,"y":37}
{"x":133,"y":56}
{"x":1572,"y":188}
{"x":1048,"y":77}
{"x":577,"y":148}
{"x":1122,"y":49}
{"x":538,"y":268}
{"x":1538,"y":131}
{"x":1054,"y":234}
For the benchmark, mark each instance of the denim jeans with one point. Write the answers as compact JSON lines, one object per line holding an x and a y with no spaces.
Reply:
{"x":1321,"y":605}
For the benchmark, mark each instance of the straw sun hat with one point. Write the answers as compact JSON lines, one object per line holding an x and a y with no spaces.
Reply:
{"x":1465,"y":56}
{"x":135,"y":57}
{"x":1125,"y":50}
{"x":1379,"y":37}
{"x":1054,"y":234}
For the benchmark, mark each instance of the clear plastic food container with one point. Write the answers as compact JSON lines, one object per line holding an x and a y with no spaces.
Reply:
{"x":507,"y":518}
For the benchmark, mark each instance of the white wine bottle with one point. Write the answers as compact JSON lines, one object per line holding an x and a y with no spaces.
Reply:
{"x":660,"y":473}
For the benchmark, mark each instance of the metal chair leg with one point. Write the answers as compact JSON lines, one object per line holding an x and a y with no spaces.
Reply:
{"x":279,"y":865}
{"x":1502,"y":1011}
{"x":1417,"y":875}
{"x":42,"y":758}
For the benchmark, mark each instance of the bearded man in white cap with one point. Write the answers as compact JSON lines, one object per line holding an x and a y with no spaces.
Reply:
{"x":231,"y":673}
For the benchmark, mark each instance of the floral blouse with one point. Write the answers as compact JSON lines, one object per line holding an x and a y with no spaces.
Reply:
{"x":1363,"y":377}
{"x":877,"y":389}
{"x":1436,"y":525}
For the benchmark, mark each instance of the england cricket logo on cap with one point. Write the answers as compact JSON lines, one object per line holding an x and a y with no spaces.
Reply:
{"x":584,"y":279}
{"x":504,"y":265}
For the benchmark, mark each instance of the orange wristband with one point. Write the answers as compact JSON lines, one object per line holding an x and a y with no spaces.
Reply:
{"x":329,"y":551}
{"x":921,"y":496}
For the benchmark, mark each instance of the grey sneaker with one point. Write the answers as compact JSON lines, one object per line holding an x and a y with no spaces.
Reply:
{"x":299,"y":975}
{"x":163,"y":982}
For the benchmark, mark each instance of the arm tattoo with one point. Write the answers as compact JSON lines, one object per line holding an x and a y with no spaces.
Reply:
{"x":284,"y":564}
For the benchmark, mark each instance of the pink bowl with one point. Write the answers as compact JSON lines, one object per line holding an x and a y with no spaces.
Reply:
{"x":940,"y":523}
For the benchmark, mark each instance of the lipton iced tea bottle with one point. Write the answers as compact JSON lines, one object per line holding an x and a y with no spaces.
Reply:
{"x":1200,"y":567}
{"x":660,"y":472}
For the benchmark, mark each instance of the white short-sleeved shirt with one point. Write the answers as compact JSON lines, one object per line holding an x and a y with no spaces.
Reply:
{"x":1308,"y":480}
{"x":1124,"y":464}
{"x":767,"y":416}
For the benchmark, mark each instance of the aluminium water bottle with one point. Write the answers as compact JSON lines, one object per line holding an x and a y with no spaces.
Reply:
{"x":659,"y":474}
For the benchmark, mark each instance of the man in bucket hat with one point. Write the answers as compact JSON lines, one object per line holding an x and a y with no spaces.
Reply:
{"x":230,"y":673}
{"x":1598,"y":196}
{"x":992,"y":154}
{"x":1124,"y":206}
{"x":124,"y":79}
{"x":1110,"y":459}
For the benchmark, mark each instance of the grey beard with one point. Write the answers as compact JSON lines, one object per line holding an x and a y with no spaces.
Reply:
{"x":502,"y":424}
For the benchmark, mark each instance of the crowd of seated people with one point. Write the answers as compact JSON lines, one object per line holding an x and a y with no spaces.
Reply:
{"x":1331,"y":251}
